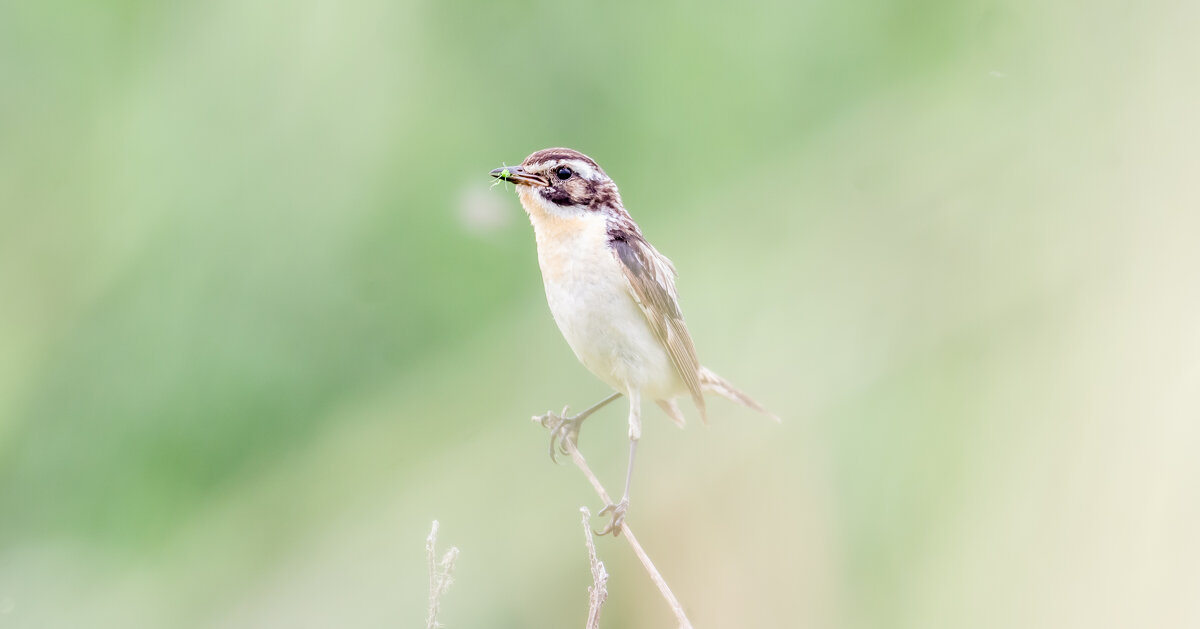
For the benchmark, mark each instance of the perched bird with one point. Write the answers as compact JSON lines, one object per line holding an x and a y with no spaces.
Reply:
{"x":613,"y":297}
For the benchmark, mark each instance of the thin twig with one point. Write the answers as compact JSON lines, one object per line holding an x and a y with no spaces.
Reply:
{"x":655,"y":576}
{"x":440,"y":575}
{"x":599,"y":590}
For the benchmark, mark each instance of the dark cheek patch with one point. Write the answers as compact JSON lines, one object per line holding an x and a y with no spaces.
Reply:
{"x":583,"y":193}
{"x":557,"y":195}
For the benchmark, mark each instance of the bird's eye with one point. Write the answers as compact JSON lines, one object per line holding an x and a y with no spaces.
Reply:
{"x":563,"y":173}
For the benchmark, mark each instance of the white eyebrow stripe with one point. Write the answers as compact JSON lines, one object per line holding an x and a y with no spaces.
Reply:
{"x":583,"y":168}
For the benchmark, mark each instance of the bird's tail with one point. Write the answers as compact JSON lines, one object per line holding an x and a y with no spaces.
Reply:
{"x":710,"y":381}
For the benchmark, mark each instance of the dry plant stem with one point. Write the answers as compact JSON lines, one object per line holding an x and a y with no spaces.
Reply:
{"x":598,"y":593}
{"x":440,"y":575}
{"x":684,"y":623}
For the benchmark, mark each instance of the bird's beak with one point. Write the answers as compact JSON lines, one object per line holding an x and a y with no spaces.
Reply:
{"x":517,"y":175}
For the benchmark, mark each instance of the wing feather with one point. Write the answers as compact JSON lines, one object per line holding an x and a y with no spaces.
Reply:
{"x":652,"y":284}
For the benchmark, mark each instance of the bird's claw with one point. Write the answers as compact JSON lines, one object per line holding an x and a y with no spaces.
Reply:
{"x":618,"y":518}
{"x":563,"y":430}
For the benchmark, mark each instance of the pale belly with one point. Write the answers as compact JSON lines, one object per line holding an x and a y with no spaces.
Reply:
{"x":591,"y":303}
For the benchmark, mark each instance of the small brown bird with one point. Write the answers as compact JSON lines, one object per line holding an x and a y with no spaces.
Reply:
{"x":613,"y":297}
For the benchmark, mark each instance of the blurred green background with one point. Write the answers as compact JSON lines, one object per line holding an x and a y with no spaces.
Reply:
{"x":262,"y":318}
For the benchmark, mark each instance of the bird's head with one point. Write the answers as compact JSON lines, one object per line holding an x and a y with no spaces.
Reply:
{"x":560,"y":182}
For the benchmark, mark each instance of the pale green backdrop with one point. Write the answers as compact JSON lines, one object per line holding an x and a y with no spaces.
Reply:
{"x":262,"y":319}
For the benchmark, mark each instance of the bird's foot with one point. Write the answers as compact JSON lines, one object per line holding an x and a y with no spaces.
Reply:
{"x":618,"y":518}
{"x":563,"y":430}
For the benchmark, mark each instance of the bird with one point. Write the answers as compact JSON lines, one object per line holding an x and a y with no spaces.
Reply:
{"x":613,"y":297}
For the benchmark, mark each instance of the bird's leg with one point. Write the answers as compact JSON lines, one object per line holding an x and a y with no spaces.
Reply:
{"x":635,"y":433}
{"x":564,"y":429}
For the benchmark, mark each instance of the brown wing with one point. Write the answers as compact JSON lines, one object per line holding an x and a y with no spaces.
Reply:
{"x":652,"y":284}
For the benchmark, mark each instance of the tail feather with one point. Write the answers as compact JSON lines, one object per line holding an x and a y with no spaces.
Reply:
{"x":710,"y":381}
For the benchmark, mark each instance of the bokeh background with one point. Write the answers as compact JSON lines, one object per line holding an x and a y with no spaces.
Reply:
{"x":262,"y":319}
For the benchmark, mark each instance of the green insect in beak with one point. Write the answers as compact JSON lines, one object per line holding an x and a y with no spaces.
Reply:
{"x":504,"y":175}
